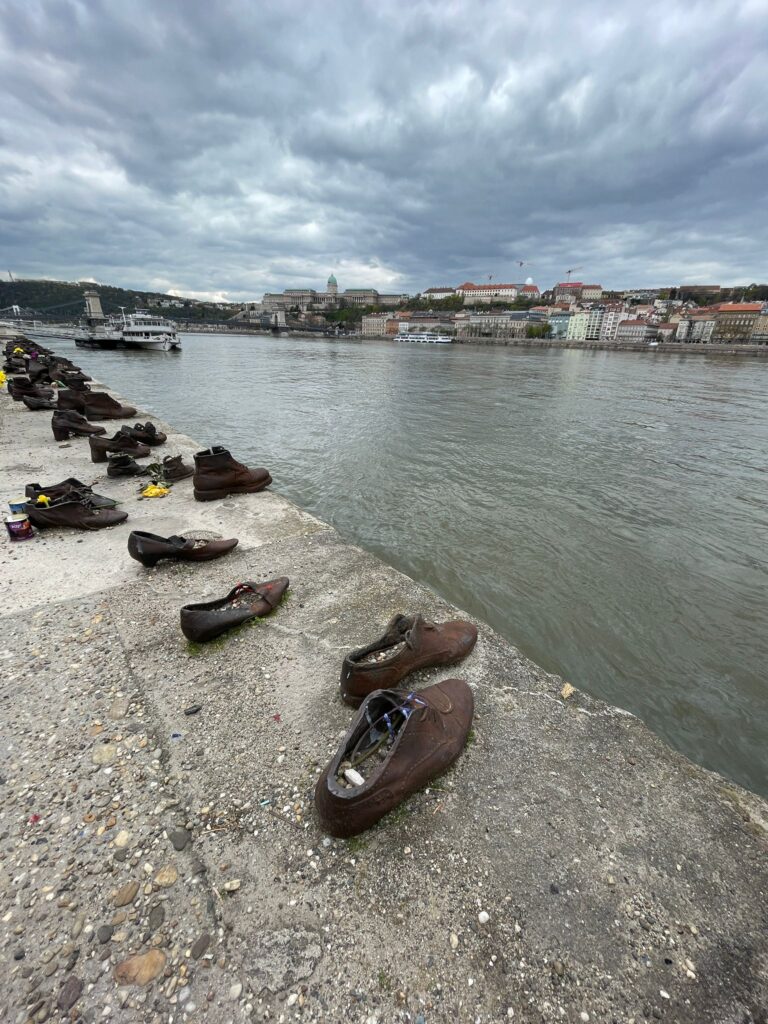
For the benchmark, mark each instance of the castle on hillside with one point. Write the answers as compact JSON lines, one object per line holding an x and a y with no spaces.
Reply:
{"x":305,"y":299}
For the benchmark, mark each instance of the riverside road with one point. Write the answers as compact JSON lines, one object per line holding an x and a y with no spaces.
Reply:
{"x":606,"y":512}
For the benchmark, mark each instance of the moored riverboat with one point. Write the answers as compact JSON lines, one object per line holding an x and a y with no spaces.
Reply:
{"x":424,"y":337}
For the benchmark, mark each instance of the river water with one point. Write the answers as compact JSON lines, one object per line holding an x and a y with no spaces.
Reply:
{"x":606,"y":512}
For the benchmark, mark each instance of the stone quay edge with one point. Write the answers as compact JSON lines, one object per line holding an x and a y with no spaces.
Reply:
{"x":157,"y":864}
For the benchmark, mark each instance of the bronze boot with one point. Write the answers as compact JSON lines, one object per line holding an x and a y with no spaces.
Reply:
{"x":217,"y":475}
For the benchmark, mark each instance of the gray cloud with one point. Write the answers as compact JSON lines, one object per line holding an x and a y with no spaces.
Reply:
{"x":231,"y":148}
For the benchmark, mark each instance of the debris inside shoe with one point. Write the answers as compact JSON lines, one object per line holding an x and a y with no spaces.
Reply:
{"x":385,"y":720}
{"x":378,"y":656}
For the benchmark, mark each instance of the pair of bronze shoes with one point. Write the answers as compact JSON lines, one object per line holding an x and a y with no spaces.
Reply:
{"x":207,"y":620}
{"x":398,"y":740}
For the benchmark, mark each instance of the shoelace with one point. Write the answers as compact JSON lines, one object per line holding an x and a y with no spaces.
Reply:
{"x":384,"y":728}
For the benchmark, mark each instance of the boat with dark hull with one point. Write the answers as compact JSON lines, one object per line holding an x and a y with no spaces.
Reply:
{"x":128,"y":330}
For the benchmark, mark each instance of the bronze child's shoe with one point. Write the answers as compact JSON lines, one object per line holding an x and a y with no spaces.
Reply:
{"x":397,"y":743}
{"x":217,"y":475}
{"x":148,"y":548}
{"x":410,"y":643}
{"x":209,"y":619}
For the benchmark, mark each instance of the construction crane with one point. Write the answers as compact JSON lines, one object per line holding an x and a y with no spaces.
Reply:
{"x":10,"y":277}
{"x":520,"y":263}
{"x":571,"y":271}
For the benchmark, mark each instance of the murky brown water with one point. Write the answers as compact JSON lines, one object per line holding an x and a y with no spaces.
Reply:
{"x":606,"y":512}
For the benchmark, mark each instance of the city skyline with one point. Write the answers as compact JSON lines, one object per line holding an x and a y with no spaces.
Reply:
{"x":401,"y":146}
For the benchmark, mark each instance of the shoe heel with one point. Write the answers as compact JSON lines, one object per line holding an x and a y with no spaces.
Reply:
{"x":148,"y":561}
{"x":98,"y":456}
{"x":60,"y":434}
{"x":210,"y":495}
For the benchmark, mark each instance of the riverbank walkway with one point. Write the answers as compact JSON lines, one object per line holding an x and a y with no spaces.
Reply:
{"x":159,"y":865}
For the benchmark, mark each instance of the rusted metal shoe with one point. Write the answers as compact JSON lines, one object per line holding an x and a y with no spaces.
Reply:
{"x":218,"y":475}
{"x":118,"y":444}
{"x":409,"y":643}
{"x":206,"y":621}
{"x":397,"y":743}
{"x":77,"y":513}
{"x":148,"y":548}
{"x":98,"y":405}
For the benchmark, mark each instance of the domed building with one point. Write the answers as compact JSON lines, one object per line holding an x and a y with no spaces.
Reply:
{"x":333,"y":287}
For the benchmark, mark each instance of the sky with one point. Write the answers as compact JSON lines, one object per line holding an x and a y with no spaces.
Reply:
{"x":220,"y":150}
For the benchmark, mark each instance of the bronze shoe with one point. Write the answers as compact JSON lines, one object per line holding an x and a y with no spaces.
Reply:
{"x":410,"y":643}
{"x":206,"y":621}
{"x":397,"y":743}
{"x":217,"y":475}
{"x":119,"y":444}
{"x":73,"y":488}
{"x":146,"y":433}
{"x":148,"y":548}
{"x":79,"y":513}
{"x":98,"y":405}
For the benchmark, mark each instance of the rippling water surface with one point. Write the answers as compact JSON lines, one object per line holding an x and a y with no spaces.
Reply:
{"x":606,"y":512}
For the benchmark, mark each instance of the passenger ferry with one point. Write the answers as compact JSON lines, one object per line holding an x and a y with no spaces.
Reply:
{"x":128,"y":330}
{"x":424,"y":337}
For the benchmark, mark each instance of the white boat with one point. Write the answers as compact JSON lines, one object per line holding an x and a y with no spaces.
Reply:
{"x":424,"y":337}
{"x":128,"y":330}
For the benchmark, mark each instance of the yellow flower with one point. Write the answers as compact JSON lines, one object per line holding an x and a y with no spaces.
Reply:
{"x":154,"y":491}
{"x":43,"y":499}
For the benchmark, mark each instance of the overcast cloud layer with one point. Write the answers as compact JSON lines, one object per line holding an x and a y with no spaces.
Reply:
{"x":229,"y":148}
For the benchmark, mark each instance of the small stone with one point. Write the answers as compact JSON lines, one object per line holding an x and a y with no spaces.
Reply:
{"x":567,"y":690}
{"x":119,"y":708}
{"x":125,"y":894}
{"x":236,"y":990}
{"x":69,"y":993}
{"x":180,"y":838}
{"x":232,"y":886}
{"x":663,"y":993}
{"x":122,"y":839}
{"x":104,"y":753}
{"x":454,"y":940}
{"x":292,"y":998}
{"x":559,"y":968}
{"x":201,"y":945}
{"x":104,"y":933}
{"x":166,"y":876}
{"x":193,"y":709}
{"x":156,"y":917}
{"x":140,"y":969}
{"x":584,"y":1016}
{"x":18,"y":954}
{"x":483,"y":917}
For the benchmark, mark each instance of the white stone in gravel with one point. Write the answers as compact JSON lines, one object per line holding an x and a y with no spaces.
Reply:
{"x":483,"y":917}
{"x":236,"y":990}
{"x":454,"y":940}
{"x":122,"y":839}
{"x":292,"y":998}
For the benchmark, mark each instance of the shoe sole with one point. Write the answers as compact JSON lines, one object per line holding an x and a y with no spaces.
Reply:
{"x":225,"y":492}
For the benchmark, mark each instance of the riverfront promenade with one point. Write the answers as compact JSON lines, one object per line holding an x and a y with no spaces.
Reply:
{"x":621,"y":882}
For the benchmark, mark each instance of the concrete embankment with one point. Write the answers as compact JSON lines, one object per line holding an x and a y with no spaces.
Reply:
{"x":680,"y":348}
{"x":157,"y":866}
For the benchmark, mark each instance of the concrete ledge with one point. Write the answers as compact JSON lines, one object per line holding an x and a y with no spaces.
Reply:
{"x":623,"y":883}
